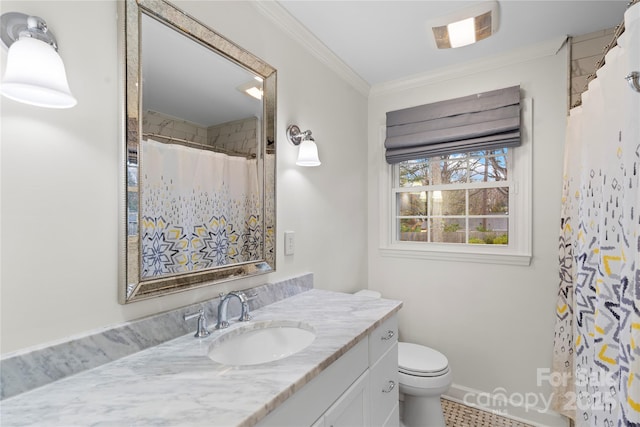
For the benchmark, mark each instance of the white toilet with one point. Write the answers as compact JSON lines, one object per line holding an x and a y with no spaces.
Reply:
{"x":424,"y":376}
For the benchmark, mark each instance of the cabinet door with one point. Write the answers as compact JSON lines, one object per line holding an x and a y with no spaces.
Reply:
{"x":352,"y":408}
{"x":383,"y":377}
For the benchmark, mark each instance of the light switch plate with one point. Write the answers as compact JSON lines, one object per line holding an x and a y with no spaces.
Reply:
{"x":289,"y":242}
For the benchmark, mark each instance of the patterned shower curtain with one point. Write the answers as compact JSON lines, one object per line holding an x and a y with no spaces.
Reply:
{"x":597,"y":334}
{"x":199,"y":209}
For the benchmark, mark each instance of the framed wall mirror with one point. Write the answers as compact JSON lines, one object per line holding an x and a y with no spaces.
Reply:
{"x":198,"y":156}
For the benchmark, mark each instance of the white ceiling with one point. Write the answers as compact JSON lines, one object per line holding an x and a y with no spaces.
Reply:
{"x":382,"y":41}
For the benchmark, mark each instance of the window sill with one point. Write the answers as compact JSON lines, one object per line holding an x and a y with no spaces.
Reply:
{"x":484,"y":257}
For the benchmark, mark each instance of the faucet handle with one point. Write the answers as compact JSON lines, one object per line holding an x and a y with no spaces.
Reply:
{"x":202,"y":330}
{"x":194,"y":315}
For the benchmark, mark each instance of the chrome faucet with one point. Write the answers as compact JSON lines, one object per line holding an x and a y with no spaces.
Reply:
{"x":222,"y":309}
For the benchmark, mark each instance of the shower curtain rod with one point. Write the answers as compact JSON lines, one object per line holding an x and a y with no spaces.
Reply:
{"x":618,"y":32}
{"x":193,"y":144}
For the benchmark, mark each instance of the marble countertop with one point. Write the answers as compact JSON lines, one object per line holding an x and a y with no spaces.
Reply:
{"x":175,"y":383}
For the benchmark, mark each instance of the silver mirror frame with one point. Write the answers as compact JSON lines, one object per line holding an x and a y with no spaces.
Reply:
{"x":130,"y":287}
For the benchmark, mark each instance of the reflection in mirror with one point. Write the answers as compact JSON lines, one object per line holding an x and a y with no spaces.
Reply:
{"x":200,"y":163}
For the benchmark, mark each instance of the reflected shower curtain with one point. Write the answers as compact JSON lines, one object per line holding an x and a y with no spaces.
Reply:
{"x":199,"y":209}
{"x":597,"y":335}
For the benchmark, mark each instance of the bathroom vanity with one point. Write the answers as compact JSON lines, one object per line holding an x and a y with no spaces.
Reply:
{"x":346,"y":376}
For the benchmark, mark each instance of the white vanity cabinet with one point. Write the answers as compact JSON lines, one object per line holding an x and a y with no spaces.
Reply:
{"x":358,"y":389}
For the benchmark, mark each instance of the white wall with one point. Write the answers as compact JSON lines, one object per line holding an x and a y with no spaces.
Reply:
{"x":59,"y":176}
{"x":494,"y":322}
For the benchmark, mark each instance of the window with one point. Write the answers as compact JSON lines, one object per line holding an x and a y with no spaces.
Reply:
{"x":470,"y":206}
{"x":458,"y":198}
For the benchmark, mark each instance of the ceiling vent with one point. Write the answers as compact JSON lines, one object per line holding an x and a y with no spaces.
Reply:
{"x":466,"y":26}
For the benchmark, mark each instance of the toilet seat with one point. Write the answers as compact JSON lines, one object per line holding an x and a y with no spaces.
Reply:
{"x":420,"y":361}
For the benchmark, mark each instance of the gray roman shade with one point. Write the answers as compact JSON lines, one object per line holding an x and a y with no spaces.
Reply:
{"x":484,"y":121}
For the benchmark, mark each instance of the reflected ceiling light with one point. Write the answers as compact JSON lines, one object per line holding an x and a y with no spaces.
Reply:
{"x":308,"y":151}
{"x":35,"y":72}
{"x":466,"y":26}
{"x":252,"y":88}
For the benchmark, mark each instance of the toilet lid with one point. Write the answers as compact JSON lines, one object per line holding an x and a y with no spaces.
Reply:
{"x":414,"y":359}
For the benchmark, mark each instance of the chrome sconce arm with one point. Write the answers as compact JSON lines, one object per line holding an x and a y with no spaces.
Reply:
{"x":16,"y":25}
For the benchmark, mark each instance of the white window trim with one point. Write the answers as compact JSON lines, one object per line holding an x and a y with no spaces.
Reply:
{"x":518,"y":253}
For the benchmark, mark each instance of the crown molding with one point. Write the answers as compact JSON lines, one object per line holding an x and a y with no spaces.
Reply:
{"x":547,"y":48}
{"x":298,"y":32}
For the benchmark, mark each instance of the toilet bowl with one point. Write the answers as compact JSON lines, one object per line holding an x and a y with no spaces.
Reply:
{"x":424,"y":375}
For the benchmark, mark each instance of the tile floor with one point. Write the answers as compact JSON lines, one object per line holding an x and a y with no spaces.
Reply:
{"x":459,"y":415}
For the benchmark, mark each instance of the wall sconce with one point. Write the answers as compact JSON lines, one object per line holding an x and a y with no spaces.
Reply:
{"x":35,"y":72}
{"x":308,"y":151}
{"x":633,"y":78}
{"x":466,"y":26}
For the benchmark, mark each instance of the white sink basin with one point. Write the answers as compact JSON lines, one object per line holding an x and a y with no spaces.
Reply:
{"x":261,"y":342}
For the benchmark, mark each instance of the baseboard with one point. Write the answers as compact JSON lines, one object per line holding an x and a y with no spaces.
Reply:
{"x":515,"y":407}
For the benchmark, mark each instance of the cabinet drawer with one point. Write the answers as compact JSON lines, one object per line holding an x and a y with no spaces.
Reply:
{"x":384,"y":385}
{"x":382,"y":339}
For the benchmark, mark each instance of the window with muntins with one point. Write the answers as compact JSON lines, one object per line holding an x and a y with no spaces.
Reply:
{"x":461,"y":199}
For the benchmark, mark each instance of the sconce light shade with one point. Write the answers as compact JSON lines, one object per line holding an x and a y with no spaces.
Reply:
{"x":35,"y":72}
{"x":308,"y":151}
{"x":308,"y":154}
